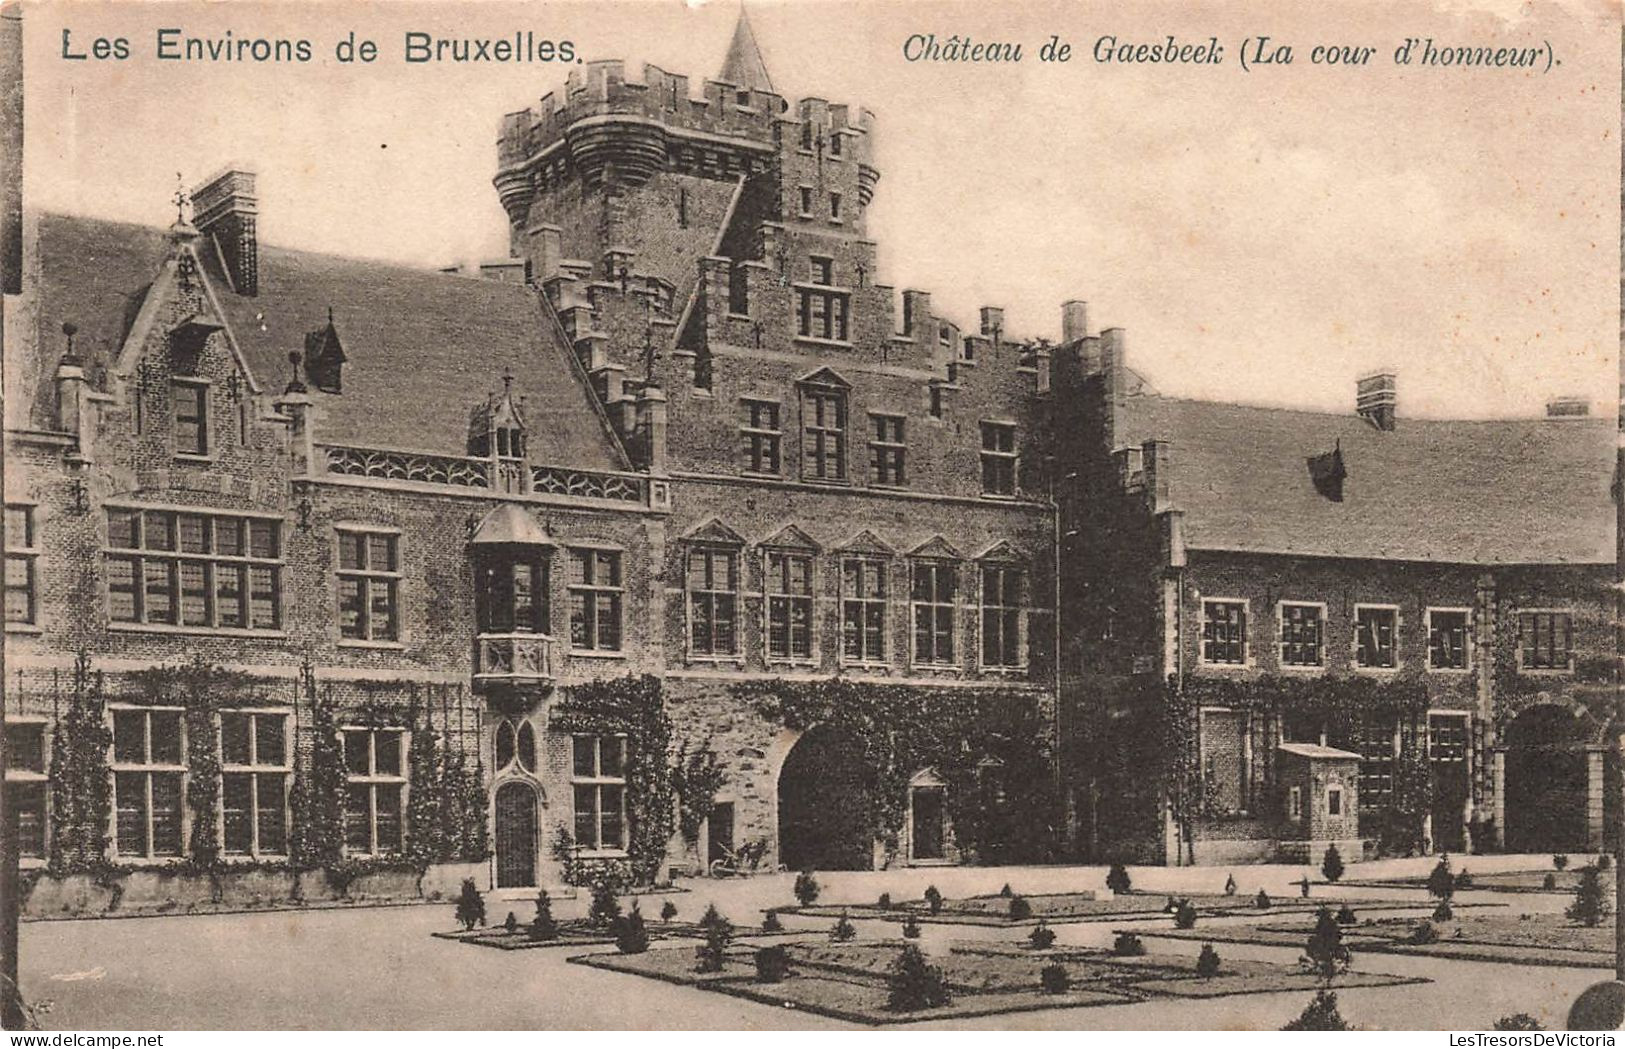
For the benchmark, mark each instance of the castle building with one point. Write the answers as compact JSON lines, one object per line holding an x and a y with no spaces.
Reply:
{"x":1288,"y":630}
{"x":677,"y":541}
{"x":670,"y":541}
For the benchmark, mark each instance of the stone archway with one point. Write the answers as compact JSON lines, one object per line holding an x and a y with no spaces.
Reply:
{"x":823,"y":798}
{"x":1547,"y":781}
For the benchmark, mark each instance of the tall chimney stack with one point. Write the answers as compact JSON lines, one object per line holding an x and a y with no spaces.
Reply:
{"x":1374,"y":399}
{"x":225,"y":209}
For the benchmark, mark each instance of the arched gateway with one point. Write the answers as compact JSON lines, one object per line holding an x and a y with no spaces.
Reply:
{"x":823,"y":803}
{"x":516,"y":835}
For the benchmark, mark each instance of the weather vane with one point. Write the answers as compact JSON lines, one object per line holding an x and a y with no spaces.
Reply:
{"x":179,"y":198}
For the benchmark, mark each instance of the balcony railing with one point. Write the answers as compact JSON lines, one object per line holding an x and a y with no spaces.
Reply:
{"x":516,"y":659}
{"x":493,"y":475}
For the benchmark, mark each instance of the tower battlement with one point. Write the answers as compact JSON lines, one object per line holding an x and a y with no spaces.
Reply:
{"x":603,"y":123}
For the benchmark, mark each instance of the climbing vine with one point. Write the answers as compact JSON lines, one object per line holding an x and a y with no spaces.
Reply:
{"x":696,"y":777}
{"x":80,"y":785}
{"x":425,"y":811}
{"x":634,"y":706}
{"x":318,"y":785}
{"x":967,"y":736}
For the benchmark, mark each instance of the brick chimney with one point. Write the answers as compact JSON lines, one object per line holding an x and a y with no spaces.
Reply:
{"x":1374,"y":399}
{"x":225,"y":209}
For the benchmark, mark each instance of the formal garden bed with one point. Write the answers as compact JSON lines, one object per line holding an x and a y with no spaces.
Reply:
{"x":1563,"y":882}
{"x":857,"y":980}
{"x":1019,"y":910}
{"x":1529,"y":939}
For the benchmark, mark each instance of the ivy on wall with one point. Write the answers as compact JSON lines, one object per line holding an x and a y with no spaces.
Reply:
{"x":696,"y":777}
{"x":634,"y":706}
{"x":318,"y":784}
{"x":967,"y":736}
{"x":80,"y":783}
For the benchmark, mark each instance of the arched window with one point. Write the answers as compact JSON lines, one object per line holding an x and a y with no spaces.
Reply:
{"x":516,"y":746}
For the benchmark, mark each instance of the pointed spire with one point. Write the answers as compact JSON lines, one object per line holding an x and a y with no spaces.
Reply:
{"x":744,"y":67}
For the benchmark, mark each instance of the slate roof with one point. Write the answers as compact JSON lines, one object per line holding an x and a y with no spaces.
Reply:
{"x":422,"y":348}
{"x":1519,"y":491}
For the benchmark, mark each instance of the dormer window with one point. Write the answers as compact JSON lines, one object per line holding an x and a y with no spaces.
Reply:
{"x":324,"y":358}
{"x":510,"y":442}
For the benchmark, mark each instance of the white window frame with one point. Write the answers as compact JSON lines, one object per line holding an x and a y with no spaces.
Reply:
{"x":1336,"y":790}
{"x":373,"y":779}
{"x":595,"y":590}
{"x":1466,"y":645}
{"x":1543,"y":671}
{"x":597,"y":781}
{"x":27,"y":552}
{"x":254,"y":770}
{"x":736,"y":653}
{"x":1354,"y":640}
{"x":148,"y":768}
{"x":21,"y":775}
{"x":1246,"y":634}
{"x":953,"y":606}
{"x":769,"y":595}
{"x":1464,"y":716}
{"x":1281,"y":642}
{"x":869,"y":563}
{"x":368,"y":575}
{"x":1021,"y":607}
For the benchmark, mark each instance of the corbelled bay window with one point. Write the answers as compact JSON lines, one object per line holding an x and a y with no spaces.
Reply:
{"x":208,"y":570}
{"x":375,"y":789}
{"x":149,"y":780}
{"x":713,"y":600}
{"x":255,"y":770}
{"x":598,"y":779}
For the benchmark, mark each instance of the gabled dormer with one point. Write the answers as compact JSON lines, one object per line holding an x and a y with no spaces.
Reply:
{"x":324,"y":357}
{"x":497,"y":431}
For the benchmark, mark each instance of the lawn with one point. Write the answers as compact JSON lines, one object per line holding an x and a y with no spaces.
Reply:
{"x":1067,"y":907}
{"x":579,"y":933}
{"x":849,"y":980}
{"x":1530,"y":939}
{"x":1564,"y":881}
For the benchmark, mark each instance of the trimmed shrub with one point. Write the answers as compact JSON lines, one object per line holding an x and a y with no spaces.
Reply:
{"x":710,"y":954}
{"x":884,"y":903}
{"x":543,"y":927}
{"x":470,"y":906}
{"x":1324,"y":954}
{"x":1443,"y":913}
{"x":1331,"y":865}
{"x":1020,"y":909}
{"x":771,"y":923}
{"x":1053,"y":979}
{"x":1207,"y":963}
{"x":1006,"y":891}
{"x":1262,"y":900}
{"x":1127,"y":945}
{"x":631,"y":935}
{"x":1185,"y":915}
{"x":1230,"y":885}
{"x":843,"y":930}
{"x":1518,"y":1022}
{"x":668,"y":911}
{"x":806,"y":888}
{"x":915,"y":984}
{"x":1117,"y":879}
{"x":1560,"y":861}
{"x":911,"y":929}
{"x":772,"y":964}
{"x":1319,"y":1015}
{"x":1590,"y":906}
{"x":1041,"y":938}
{"x":1549,"y":882}
{"x":1605,"y":862}
{"x":713,"y":919}
{"x":605,"y":908}
{"x":1345,"y":915}
{"x":1464,"y":880}
{"x":510,"y":923}
{"x":1424,"y":933}
{"x":1303,"y":886}
{"x":1442,"y":881}
{"x":933,"y":899}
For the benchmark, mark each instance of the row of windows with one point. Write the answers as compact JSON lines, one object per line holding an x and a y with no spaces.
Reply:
{"x":1545,"y":638}
{"x":713,"y":584}
{"x":256,"y":772}
{"x":824,"y":443}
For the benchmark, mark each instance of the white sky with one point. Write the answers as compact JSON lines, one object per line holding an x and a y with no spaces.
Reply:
{"x":1262,"y":236}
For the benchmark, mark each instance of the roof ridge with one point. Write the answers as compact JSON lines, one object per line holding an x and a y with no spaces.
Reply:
{"x":1351,"y":416}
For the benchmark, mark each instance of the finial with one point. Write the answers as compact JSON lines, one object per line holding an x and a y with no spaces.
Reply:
{"x":70,"y":329}
{"x":329,"y":315}
{"x":294,"y":385}
{"x":179,"y":199}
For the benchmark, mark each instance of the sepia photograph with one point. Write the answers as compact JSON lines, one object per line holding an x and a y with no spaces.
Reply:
{"x":642,"y":515}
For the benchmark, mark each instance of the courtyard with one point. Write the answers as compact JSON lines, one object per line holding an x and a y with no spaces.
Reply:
{"x":385,"y":968}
